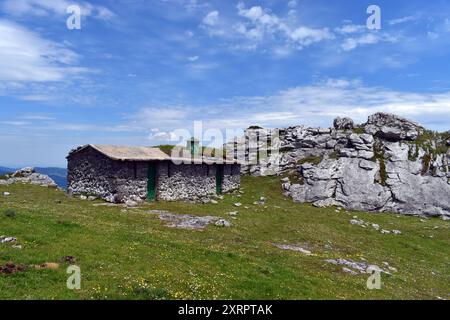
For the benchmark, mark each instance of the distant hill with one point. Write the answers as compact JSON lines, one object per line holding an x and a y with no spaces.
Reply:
{"x":59,"y":175}
{"x":5,"y":170}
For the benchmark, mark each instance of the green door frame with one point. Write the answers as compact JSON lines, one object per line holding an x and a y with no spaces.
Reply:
{"x":219,"y":178}
{"x":151,"y":181}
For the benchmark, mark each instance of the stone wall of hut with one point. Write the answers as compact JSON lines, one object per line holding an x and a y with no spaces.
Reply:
{"x":91,"y":173}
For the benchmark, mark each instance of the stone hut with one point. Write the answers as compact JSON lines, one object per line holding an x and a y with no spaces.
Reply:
{"x":124,"y":173}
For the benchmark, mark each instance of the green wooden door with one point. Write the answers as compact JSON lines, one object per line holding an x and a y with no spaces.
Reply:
{"x":151,"y":182}
{"x":219,"y":178}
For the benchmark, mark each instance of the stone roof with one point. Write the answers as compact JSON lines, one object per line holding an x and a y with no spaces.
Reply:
{"x":128,"y":153}
{"x":131,"y":153}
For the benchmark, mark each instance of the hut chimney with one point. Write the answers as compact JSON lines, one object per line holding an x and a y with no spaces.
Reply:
{"x":193,"y":145}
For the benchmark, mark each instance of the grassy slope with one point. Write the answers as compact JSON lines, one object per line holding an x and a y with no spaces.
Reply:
{"x":133,"y":255}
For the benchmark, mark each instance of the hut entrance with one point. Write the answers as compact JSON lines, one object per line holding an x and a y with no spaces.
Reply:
{"x":151,"y":182}
{"x":219,"y":178}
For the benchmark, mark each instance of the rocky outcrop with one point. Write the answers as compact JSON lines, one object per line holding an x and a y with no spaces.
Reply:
{"x":28,"y":175}
{"x":343,"y":124}
{"x":388,"y":164}
{"x":391,"y":127}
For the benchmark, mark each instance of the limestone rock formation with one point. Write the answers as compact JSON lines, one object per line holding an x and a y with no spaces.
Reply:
{"x":343,"y":124}
{"x":28,"y":175}
{"x":388,"y":164}
{"x":391,"y":127}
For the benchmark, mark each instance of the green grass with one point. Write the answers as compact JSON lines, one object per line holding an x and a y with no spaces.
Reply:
{"x":312,"y":160}
{"x":359,"y":130}
{"x":432,"y":142}
{"x":206,"y":151}
{"x":378,"y":152}
{"x":129,"y":254}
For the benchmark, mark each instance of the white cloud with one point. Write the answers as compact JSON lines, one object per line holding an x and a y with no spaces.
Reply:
{"x":292,"y":3}
{"x":36,"y":97}
{"x":262,"y":25}
{"x":316,"y":104}
{"x":26,"y":56}
{"x":306,"y":36}
{"x":58,"y":7}
{"x":366,"y":39}
{"x":193,"y":58}
{"x":211,"y":18}
{"x":350,"y":28}
{"x":162,"y":136}
{"x":394,"y":22}
{"x":258,"y":28}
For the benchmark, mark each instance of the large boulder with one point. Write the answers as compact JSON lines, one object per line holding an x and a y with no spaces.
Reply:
{"x":24,"y":172}
{"x":29,"y":175}
{"x":343,"y":124}
{"x":392,"y":128}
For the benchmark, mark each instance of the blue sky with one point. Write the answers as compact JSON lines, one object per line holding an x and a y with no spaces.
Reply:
{"x":137,"y":70}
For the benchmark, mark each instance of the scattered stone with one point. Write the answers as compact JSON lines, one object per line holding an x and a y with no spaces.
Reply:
{"x":357,"y":222}
{"x":396,"y":232}
{"x":233,"y":213}
{"x":392,"y":269}
{"x":214,"y":201}
{"x":292,"y":248}
{"x":222,"y":223}
{"x":83,"y":197}
{"x":184,"y":221}
{"x":92,"y":198}
{"x":347,"y":270}
{"x":360,"y":267}
{"x":5,"y":239}
{"x":385,"y":231}
{"x":17,"y":246}
{"x":238,"y":204}
{"x":6,"y":194}
{"x":131,"y":203}
{"x":376,"y":226}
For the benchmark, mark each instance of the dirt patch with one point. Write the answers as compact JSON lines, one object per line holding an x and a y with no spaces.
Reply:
{"x":68,"y":259}
{"x":12,"y":268}
{"x":47,"y":266}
